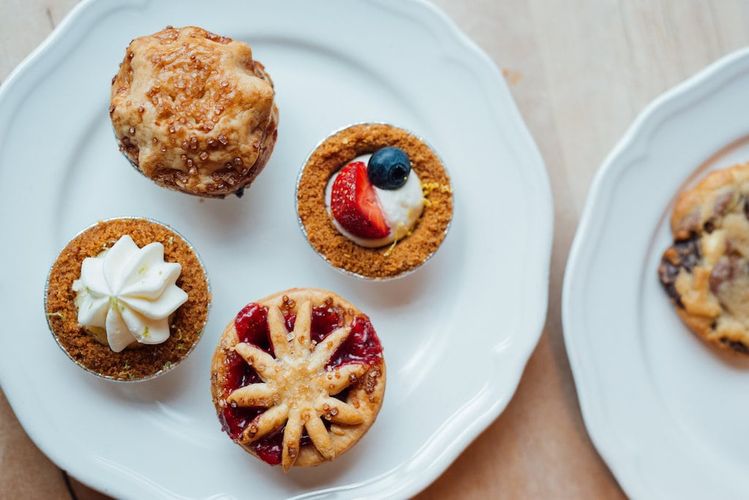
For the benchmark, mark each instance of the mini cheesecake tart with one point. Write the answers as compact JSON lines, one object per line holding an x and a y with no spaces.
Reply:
{"x":374,"y":200}
{"x":127,"y":299}
{"x":298,"y":377}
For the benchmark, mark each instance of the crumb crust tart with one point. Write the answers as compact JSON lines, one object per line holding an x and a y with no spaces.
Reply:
{"x":298,"y":377}
{"x":142,"y":361}
{"x":378,"y":263}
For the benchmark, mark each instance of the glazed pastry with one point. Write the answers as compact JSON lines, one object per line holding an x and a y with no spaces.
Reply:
{"x":193,"y":111}
{"x":298,"y":377}
{"x":374,"y":200}
{"x":706,"y":270}
{"x":127,"y":299}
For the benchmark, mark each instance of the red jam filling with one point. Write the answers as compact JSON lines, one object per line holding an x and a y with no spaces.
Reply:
{"x":252,"y":327}
{"x":269,"y":448}
{"x":362,"y":346}
{"x":325,"y":319}
{"x":239,"y":374}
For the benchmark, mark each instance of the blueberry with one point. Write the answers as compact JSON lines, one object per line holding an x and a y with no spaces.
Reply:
{"x":388,"y":168}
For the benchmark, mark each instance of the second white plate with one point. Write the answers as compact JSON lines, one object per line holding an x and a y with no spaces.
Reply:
{"x":665,"y":411}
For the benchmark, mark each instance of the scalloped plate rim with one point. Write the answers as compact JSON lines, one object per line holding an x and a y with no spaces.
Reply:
{"x":629,"y":147}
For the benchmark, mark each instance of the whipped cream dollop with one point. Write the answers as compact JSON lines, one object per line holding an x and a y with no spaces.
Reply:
{"x":126,"y":294}
{"x":401,"y":207}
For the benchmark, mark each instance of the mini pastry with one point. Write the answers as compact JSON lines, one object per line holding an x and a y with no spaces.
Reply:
{"x":127,"y":299}
{"x":706,"y":270}
{"x":193,"y":111}
{"x":374,"y":200}
{"x":298,"y":377}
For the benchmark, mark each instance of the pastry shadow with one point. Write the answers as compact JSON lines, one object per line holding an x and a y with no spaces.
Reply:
{"x":400,"y":292}
{"x":388,"y":294}
{"x":327,"y":473}
{"x":230,"y":217}
{"x":226,"y":219}
{"x":164,"y":388}
{"x":735,"y":361}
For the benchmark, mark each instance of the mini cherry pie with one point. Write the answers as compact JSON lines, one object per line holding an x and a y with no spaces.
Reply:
{"x":298,"y":377}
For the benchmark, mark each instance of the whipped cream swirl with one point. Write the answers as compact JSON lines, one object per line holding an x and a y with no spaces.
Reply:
{"x":126,"y":294}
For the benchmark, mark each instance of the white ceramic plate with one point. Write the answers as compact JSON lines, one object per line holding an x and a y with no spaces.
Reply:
{"x":665,"y":411}
{"x":457,"y":333}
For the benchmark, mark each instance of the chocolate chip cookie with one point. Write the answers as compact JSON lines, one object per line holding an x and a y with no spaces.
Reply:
{"x":706,"y":269}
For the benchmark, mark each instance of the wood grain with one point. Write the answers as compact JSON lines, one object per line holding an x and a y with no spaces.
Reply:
{"x":580,"y":71}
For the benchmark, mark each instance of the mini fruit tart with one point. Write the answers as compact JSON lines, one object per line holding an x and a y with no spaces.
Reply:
{"x":127,"y":299}
{"x":374,"y":200}
{"x":298,"y":377}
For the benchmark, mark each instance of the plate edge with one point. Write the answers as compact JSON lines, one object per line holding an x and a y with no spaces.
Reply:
{"x":613,"y":165}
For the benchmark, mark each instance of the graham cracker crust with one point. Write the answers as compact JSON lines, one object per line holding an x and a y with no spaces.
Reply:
{"x":389,"y":261}
{"x":141,"y":361}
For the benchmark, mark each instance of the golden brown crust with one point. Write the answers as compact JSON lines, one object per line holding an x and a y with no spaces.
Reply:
{"x":695,"y":206}
{"x":366,"y":394}
{"x":407,"y":254}
{"x":131,"y":364}
{"x":193,"y":111}
{"x":706,"y":270}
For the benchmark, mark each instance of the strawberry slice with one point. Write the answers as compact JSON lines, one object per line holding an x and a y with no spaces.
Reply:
{"x":354,"y":203}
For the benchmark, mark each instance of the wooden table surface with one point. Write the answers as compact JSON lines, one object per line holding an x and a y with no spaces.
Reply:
{"x":580,"y":71}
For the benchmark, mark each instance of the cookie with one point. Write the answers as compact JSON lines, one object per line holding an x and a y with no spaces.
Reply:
{"x":705,"y":271}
